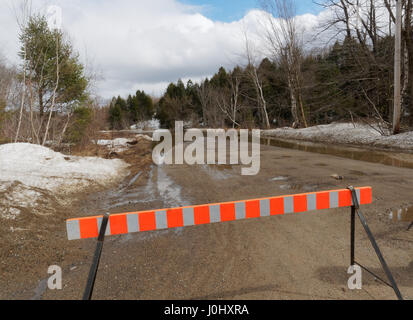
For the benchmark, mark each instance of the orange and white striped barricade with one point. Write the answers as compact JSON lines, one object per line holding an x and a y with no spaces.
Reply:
{"x":155,"y":220}
{"x":88,"y":227}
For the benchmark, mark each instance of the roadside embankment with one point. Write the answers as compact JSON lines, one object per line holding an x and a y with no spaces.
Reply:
{"x":346,"y":133}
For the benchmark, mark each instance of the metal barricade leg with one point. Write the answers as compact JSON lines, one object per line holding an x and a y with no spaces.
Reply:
{"x":353,"y":234}
{"x":96,"y":259}
{"x":356,"y":209}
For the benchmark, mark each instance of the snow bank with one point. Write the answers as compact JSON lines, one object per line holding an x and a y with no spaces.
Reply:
{"x":41,"y":167}
{"x":117,"y":145}
{"x":345,"y":133}
{"x":37,"y":169}
{"x":121,"y":144}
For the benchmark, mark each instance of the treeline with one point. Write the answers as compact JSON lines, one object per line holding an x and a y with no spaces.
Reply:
{"x":124,"y":113}
{"x":352,"y":80}
{"x":228,"y":99}
{"x":337,"y":84}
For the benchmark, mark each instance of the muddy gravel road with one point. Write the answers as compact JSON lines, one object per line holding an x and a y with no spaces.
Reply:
{"x":303,"y":256}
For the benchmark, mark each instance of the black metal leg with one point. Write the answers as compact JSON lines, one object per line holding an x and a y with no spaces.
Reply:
{"x":96,"y":259}
{"x":353,"y":232}
{"x":408,"y":229}
{"x":380,"y":256}
{"x":373,"y":242}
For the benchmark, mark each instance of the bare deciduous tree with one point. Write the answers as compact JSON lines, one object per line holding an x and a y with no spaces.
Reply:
{"x":370,"y":22}
{"x":228,"y":99}
{"x":285,"y":43}
{"x":253,"y":74}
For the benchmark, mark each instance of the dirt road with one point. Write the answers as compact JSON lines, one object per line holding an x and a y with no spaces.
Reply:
{"x":302,"y":256}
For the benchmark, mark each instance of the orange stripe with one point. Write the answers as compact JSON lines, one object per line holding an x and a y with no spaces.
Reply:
{"x":344,"y":198}
{"x":366,"y":196}
{"x":300,"y":203}
{"x":323,"y":200}
{"x":277,"y":206}
{"x":147,"y":221}
{"x":88,"y":228}
{"x":252,"y":209}
{"x":227,"y":212}
{"x":175,"y":218}
{"x":201,"y":215}
{"x":118,"y":224}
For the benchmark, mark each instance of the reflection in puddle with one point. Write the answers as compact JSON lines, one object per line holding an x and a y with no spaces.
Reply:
{"x":403,"y":215}
{"x":395,"y":159}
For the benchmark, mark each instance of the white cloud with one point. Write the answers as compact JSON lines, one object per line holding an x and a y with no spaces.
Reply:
{"x":143,"y":44}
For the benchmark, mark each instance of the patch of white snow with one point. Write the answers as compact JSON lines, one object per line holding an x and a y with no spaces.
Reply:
{"x":28,"y":172}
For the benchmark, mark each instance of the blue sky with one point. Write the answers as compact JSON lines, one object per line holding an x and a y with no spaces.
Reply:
{"x":231,"y":10}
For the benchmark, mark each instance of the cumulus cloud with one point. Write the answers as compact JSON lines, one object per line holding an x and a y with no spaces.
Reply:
{"x":144,"y":44}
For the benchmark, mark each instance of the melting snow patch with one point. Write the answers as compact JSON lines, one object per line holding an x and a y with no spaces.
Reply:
{"x":117,"y":145}
{"x":29,"y":173}
{"x":122,"y":144}
{"x":40,"y":167}
{"x":153,"y":124}
{"x":345,"y":133}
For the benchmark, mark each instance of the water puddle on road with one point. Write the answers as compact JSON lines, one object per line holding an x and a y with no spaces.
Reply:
{"x":404,"y":214}
{"x":159,"y":191}
{"x":395,"y":159}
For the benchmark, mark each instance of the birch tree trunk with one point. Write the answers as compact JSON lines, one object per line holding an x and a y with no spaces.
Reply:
{"x":54,"y":92}
{"x":293,"y":102}
{"x":23,"y":98}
